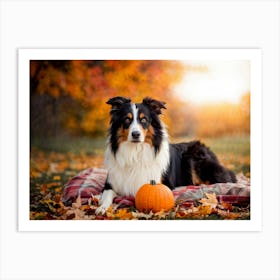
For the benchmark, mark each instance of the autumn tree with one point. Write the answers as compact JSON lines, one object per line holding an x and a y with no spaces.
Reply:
{"x":70,"y":96}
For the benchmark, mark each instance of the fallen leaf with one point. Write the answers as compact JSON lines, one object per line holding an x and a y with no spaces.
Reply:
{"x":228,"y":215}
{"x":123,"y":214}
{"x":78,"y":203}
{"x":204,"y":210}
{"x":161,"y":214}
{"x":225,"y":206}
{"x":56,"y":178}
{"x":141,"y":215}
{"x":211,"y":200}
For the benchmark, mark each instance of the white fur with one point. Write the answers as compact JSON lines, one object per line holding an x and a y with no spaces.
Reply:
{"x":135,"y":164}
{"x":105,"y":201}
{"x":135,"y":125}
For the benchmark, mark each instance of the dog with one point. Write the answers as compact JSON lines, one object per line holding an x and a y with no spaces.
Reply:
{"x":138,"y":150}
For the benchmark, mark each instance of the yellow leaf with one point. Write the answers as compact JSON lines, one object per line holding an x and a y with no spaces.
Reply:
{"x":78,"y":203}
{"x":204,"y":210}
{"x":123,"y":214}
{"x":110,"y":212}
{"x":211,"y":200}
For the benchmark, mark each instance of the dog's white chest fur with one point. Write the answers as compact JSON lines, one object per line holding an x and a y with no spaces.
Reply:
{"x":135,"y":165}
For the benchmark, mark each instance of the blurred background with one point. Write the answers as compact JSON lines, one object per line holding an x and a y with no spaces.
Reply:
{"x":206,"y":100}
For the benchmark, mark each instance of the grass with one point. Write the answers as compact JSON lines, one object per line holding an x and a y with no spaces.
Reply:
{"x":66,"y":144}
{"x":233,"y":151}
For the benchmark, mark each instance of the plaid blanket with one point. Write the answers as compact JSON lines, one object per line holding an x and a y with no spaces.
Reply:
{"x":89,"y":183}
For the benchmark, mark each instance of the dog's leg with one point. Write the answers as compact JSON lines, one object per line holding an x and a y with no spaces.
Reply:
{"x":106,"y":199}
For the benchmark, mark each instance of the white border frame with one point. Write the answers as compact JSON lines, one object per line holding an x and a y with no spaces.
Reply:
{"x":253,"y":55}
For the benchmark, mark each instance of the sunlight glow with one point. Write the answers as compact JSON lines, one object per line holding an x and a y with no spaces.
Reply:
{"x":214,"y":81}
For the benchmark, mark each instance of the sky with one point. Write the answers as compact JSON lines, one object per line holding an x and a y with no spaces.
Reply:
{"x":214,"y":81}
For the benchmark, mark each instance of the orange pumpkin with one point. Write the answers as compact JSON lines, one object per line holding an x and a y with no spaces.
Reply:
{"x":155,"y":197}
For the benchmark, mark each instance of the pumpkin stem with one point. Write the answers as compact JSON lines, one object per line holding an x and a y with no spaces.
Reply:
{"x":153,"y":182}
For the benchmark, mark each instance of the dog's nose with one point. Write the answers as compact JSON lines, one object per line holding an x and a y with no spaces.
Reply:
{"x":135,"y":134}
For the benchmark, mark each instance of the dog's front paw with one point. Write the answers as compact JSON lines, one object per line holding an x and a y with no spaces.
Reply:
{"x":105,"y":201}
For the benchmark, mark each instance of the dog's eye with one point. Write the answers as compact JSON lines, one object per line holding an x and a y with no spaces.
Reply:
{"x":143,"y":120}
{"x":127,"y":120}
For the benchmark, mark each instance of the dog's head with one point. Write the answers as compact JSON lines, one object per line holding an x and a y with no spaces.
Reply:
{"x":135,"y":122}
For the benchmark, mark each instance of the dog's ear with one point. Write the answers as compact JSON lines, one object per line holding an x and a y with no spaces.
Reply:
{"x":154,"y":105}
{"x":117,"y":102}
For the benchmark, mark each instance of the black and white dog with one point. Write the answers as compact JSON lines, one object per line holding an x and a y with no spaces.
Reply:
{"x":138,"y":151}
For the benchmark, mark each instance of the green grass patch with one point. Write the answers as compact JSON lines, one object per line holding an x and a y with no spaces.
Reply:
{"x":65,"y":144}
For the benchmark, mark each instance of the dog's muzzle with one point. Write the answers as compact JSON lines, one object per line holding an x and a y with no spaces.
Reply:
{"x":135,"y":136}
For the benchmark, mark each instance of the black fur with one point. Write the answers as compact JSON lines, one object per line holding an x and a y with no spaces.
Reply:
{"x":107,"y":186}
{"x":120,"y":106}
{"x":117,"y":102}
{"x":194,"y":157}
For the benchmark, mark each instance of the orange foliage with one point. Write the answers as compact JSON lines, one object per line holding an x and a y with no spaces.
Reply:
{"x":89,"y":84}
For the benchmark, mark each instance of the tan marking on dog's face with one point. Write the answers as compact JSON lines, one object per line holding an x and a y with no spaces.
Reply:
{"x":122,"y":135}
{"x":149,"y":133}
{"x":141,"y":116}
{"x":129,"y":115}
